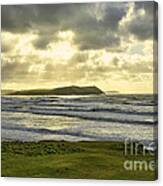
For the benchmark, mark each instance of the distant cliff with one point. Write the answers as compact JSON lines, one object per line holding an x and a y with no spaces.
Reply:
{"x":70,"y":90}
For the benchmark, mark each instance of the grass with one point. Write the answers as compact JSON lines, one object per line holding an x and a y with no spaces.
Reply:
{"x":74,"y":160}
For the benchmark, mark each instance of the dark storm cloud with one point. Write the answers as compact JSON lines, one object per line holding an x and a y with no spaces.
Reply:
{"x":146,"y":5}
{"x":142,"y":26}
{"x":43,"y":40}
{"x":90,"y":32}
{"x":113,"y":13}
{"x":96,"y":40}
{"x":16,"y":18}
{"x":96,"y":25}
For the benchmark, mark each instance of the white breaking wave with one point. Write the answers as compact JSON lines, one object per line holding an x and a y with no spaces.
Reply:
{"x":79,"y":118}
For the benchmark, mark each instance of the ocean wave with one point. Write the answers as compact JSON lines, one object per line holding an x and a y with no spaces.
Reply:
{"x":92,"y":115}
{"x":122,"y":109}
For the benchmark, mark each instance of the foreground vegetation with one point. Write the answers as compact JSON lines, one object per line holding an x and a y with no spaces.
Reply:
{"x":84,"y":160}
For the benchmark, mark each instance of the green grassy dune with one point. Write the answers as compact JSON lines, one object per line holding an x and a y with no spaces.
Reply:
{"x":83,"y":160}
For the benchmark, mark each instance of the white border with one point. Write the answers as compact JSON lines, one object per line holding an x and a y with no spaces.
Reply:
{"x":65,"y":182}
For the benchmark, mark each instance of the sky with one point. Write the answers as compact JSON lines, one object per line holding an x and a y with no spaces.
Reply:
{"x":109,"y":45}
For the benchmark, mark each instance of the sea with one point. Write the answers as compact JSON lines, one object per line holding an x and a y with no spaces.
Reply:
{"x":79,"y":118}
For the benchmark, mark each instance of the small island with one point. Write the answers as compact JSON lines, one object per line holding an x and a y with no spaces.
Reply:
{"x":69,"y":90}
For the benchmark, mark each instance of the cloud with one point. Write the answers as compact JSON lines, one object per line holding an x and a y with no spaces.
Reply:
{"x":6,"y":47}
{"x":108,"y":44}
{"x":15,"y":72}
{"x":16,"y":18}
{"x":139,"y":21}
{"x":47,"y":20}
{"x":16,"y":69}
{"x":8,"y":42}
{"x":43,"y":40}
